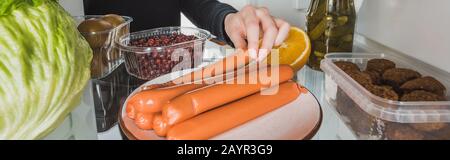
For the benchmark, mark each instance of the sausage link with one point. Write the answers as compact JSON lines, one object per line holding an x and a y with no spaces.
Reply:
{"x":217,"y":121}
{"x":201,"y":100}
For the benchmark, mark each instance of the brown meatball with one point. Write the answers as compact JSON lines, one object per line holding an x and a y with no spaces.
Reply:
{"x":397,"y":76}
{"x":379,"y":65}
{"x":361,"y":78}
{"x":429,"y":84}
{"x":375,"y":76}
{"x":385,"y":92}
{"x":360,"y":122}
{"x":347,"y":67}
{"x":421,"y":96}
{"x":395,"y":131}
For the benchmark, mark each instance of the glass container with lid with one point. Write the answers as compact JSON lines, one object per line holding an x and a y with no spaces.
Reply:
{"x":331,"y":27}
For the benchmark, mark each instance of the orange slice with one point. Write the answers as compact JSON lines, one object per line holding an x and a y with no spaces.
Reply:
{"x":294,"y":51}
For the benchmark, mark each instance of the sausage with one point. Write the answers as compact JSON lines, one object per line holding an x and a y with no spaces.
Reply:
{"x":226,"y":65}
{"x":144,"y":121}
{"x":151,"y":101}
{"x":131,"y":113}
{"x":201,"y":100}
{"x":160,"y":125}
{"x":222,"y":119}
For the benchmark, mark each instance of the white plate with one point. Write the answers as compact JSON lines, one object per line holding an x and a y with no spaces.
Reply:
{"x":295,"y":121}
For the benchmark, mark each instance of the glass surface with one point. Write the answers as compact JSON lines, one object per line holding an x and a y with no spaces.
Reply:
{"x":80,"y":123}
{"x":99,"y":107}
{"x":109,"y":93}
{"x":110,"y":83}
{"x":332,"y":128}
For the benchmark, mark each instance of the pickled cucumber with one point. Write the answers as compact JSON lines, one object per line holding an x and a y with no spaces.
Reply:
{"x":342,"y":20}
{"x":331,"y":26}
{"x":320,"y":28}
{"x":347,"y":38}
{"x":339,"y":31}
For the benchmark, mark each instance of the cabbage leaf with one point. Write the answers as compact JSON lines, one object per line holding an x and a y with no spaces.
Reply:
{"x":44,"y":67}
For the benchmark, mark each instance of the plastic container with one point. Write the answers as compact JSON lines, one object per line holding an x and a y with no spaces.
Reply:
{"x":373,"y":117}
{"x":106,"y":57}
{"x":109,"y":94}
{"x":148,"y":63}
{"x":109,"y":78}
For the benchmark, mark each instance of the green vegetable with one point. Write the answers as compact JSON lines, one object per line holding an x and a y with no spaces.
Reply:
{"x":44,"y":67}
{"x":342,"y":20}
{"x":320,"y":28}
{"x":331,"y":26}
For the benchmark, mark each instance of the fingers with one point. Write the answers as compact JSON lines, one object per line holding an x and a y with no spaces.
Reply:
{"x":248,"y":26}
{"x":251,"y":22}
{"x":238,"y":41}
{"x":270,"y":32}
{"x":283,"y":31}
{"x":236,"y":32}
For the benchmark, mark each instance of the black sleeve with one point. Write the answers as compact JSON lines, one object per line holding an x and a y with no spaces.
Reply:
{"x":209,"y":15}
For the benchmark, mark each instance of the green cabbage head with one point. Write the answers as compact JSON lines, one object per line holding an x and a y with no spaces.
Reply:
{"x":44,"y":67}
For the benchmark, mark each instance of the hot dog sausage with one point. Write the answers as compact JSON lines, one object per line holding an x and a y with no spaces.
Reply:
{"x":159,"y":125}
{"x":226,"y":65}
{"x":144,"y":121}
{"x":150,"y":101}
{"x":219,"y":120}
{"x":198,"y":101}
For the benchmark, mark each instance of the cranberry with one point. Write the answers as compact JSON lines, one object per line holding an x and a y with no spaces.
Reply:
{"x":169,"y":56}
{"x":167,"y":66}
{"x":157,"y":63}
{"x":161,"y":56}
{"x":154,"y":54}
{"x":151,"y":42}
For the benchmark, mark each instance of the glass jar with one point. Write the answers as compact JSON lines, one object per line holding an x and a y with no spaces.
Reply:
{"x":331,"y":27}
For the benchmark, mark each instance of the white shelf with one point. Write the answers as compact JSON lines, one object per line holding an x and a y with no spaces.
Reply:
{"x":332,"y":127}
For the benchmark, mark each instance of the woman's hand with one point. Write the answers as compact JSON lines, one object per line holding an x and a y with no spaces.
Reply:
{"x":246,"y":27}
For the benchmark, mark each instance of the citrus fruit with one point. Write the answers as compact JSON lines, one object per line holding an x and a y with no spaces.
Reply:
{"x":294,"y":51}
